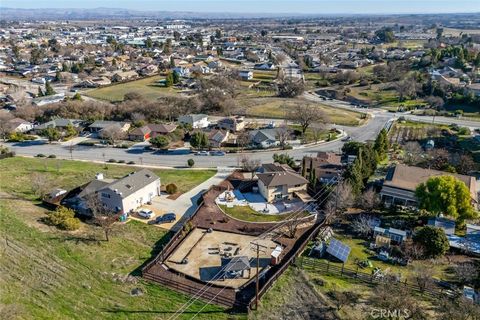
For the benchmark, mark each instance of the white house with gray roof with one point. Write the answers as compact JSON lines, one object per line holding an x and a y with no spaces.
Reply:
{"x":197,"y":121}
{"x":130,"y":192}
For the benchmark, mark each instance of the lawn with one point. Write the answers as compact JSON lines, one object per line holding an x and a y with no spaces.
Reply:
{"x":246,"y":213}
{"x":278,"y":108}
{"x":360,"y":252}
{"x":386,"y":99}
{"x":147,"y":87}
{"x":49,"y":274}
{"x":16,"y":173}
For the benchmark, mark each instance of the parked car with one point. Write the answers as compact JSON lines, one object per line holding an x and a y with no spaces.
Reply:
{"x":201,"y":153}
{"x":145,"y":213}
{"x":347,"y":138}
{"x":217,"y":153}
{"x":166,"y":218}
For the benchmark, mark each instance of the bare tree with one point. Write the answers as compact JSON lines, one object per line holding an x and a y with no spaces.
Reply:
{"x":243,"y":138}
{"x":338,"y":201}
{"x":458,"y":309}
{"x":435,"y":102}
{"x":317,"y":130}
{"x":362,"y":225}
{"x":290,"y":88}
{"x":466,"y":272}
{"x":406,"y":88}
{"x":422,"y":276}
{"x":412,"y":251}
{"x":283,"y":133}
{"x":344,"y":298}
{"x":307,"y":114}
{"x":412,"y":153}
{"x":250,"y":165}
{"x":103,"y":216}
{"x":369,"y":200}
{"x":5,"y":126}
{"x":41,"y":184}
{"x":113,"y":133}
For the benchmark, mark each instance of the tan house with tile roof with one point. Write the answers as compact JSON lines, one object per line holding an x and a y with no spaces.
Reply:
{"x":401,"y":181}
{"x":281,"y":185}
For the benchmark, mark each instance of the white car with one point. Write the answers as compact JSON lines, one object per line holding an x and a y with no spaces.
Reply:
{"x":145,"y":213}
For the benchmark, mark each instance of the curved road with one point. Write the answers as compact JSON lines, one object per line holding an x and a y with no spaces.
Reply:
{"x":140,"y":156}
{"x":368,"y":131}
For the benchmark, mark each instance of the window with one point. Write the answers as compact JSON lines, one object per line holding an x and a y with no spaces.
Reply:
{"x":105,"y":195}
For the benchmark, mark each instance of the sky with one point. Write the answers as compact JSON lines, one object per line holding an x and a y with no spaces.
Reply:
{"x":264,"y":6}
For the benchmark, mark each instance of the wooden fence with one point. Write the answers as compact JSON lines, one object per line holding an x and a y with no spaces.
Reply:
{"x":322,"y":267}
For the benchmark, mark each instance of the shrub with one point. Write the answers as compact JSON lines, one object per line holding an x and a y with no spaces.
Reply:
{"x":40,"y":155}
{"x":52,"y":156}
{"x":433,"y":240}
{"x":131,"y":162}
{"x":112,"y":160}
{"x":190,"y":162}
{"x":464,"y":131}
{"x":171,"y":188}
{"x":64,"y":218}
{"x":121,"y":161}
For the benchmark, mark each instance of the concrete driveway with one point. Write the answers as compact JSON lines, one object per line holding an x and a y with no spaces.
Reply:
{"x":185,"y":205}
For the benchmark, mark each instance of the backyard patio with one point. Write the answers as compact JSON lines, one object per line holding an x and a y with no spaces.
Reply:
{"x":257,"y":203}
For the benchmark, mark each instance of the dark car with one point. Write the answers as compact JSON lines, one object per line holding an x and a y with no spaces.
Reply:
{"x":166,"y":218}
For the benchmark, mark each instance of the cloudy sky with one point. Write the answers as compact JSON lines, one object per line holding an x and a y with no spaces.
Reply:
{"x":261,"y":6}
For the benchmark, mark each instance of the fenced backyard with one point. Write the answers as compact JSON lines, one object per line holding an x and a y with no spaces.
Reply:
{"x":428,"y":287}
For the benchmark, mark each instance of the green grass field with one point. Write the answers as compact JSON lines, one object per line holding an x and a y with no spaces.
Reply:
{"x":277,"y":108}
{"x":147,"y":87}
{"x":49,"y":274}
{"x":53,"y":274}
{"x":386,"y":99}
{"x":248,"y":214}
{"x":16,"y":173}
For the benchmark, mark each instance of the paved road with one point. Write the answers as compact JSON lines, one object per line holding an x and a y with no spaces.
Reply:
{"x":140,"y":156}
{"x":369,"y":131}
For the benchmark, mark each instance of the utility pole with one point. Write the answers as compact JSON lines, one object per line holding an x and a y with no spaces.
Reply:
{"x":257,"y":248}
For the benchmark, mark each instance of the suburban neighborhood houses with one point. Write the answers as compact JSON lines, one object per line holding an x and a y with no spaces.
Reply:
{"x":212,"y":162}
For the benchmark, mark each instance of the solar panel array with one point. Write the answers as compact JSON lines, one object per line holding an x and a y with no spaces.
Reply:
{"x":338,"y":250}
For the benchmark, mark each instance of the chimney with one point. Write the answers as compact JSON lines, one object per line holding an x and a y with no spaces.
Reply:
{"x":99,"y":176}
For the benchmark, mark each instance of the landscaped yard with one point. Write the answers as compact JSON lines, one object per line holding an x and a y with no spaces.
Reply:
{"x":246,"y":213}
{"x":279,"y":108}
{"x":148,"y":88}
{"x":16,"y":174}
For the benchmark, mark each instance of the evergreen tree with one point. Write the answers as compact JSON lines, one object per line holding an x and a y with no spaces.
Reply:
{"x":40,"y":92}
{"x":175,"y":77}
{"x":48,"y":89}
{"x":169,"y":80}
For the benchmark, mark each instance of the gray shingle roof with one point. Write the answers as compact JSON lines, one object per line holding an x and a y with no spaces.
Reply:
{"x":275,"y":179}
{"x":133,"y":182}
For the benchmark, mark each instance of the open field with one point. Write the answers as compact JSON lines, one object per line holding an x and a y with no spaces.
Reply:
{"x":16,"y":174}
{"x":49,"y":274}
{"x":279,"y":107}
{"x":147,"y":87}
{"x":387,"y":99}
{"x":414,"y":131}
{"x":205,"y":251}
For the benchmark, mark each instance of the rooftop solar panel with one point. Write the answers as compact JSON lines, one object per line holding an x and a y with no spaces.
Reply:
{"x":338,"y":250}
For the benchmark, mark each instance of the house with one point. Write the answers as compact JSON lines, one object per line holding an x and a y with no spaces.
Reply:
{"x":148,"y":70}
{"x":282,"y":185}
{"x":100,"y":125}
{"x":182,"y":71}
{"x":264,"y":138}
{"x":233,"y":124}
{"x":470,"y":243}
{"x":130,"y":192}
{"x":395,"y":235}
{"x":265,"y":66}
{"x":217,"y":137}
{"x":446,"y":224}
{"x":401,"y":181}
{"x":326,"y":166}
{"x":60,"y":124}
{"x":20,"y":125}
{"x":197,"y":121}
{"x":245,"y":75}
{"x":150,"y":131}
{"x":124,"y":76}
{"x":42,"y":101}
